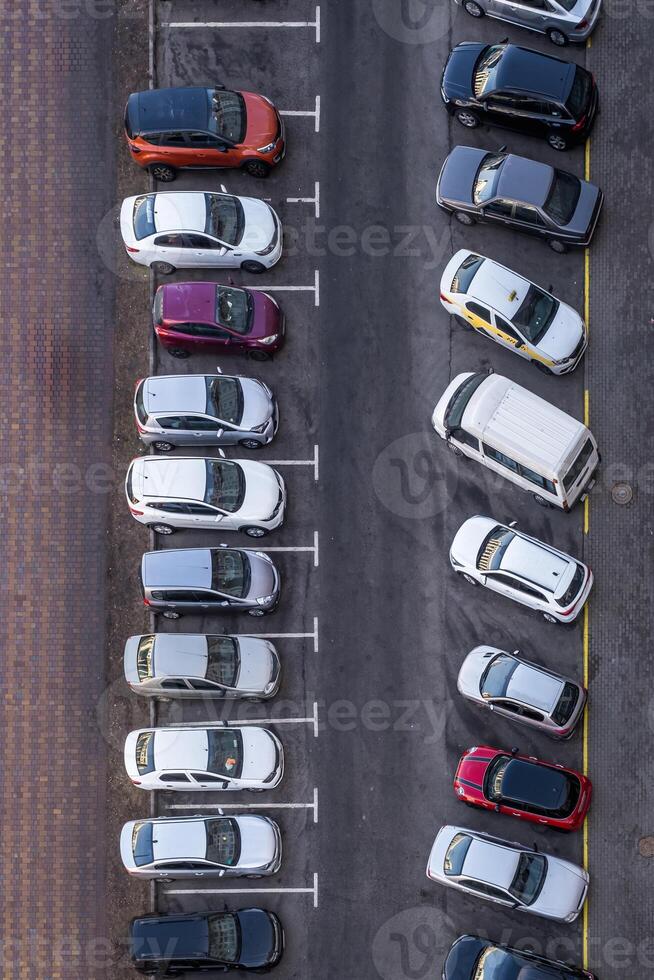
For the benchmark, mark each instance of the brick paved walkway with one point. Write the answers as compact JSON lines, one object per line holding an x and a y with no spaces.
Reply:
{"x":55,"y":408}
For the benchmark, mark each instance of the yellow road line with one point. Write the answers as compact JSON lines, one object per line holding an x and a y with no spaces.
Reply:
{"x":587,"y":424}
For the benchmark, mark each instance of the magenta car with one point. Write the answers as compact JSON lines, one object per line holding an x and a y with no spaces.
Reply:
{"x":197,"y":317}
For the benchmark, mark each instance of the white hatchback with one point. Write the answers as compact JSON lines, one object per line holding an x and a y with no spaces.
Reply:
{"x":526,"y":570}
{"x":498,"y":303}
{"x":210,"y":494}
{"x":197,"y":230}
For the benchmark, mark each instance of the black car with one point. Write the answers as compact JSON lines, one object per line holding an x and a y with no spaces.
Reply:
{"x":480,"y":185}
{"x":471,"y":957}
{"x":169,"y":945}
{"x":517,"y":88}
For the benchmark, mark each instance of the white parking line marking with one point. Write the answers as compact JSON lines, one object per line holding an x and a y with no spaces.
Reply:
{"x":250,"y":806}
{"x":294,"y":289}
{"x":315,"y":200}
{"x":299,"y":462}
{"x":251,"y":23}
{"x":297,"y":548}
{"x":292,"y":636}
{"x":239,"y":722}
{"x":305,"y":112}
{"x":250,"y":891}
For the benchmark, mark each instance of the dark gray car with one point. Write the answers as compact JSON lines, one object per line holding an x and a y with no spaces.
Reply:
{"x":501,"y":188}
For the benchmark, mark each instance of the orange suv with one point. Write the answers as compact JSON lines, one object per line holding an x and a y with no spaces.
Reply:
{"x":169,"y":129}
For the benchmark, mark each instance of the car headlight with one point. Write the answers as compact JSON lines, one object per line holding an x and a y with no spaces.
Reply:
{"x":275,"y":237}
{"x":262,"y":427}
{"x":265,"y":600}
{"x":267,"y":149}
{"x":269,"y":340}
{"x":563,"y":360}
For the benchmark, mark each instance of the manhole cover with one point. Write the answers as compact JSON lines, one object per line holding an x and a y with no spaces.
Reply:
{"x":621,"y":493}
{"x":646,"y":847}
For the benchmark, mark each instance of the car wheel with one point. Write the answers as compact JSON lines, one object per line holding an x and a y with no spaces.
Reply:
{"x":163,"y":447}
{"x":255,"y":532}
{"x":161,"y":528}
{"x":251,"y":266}
{"x":454,"y":449}
{"x":254,"y":876}
{"x":469,"y":579}
{"x":550,"y":618}
{"x":162,"y":172}
{"x":557,"y":142}
{"x":170,"y":614}
{"x":473,"y":8}
{"x":163,"y":268}
{"x":259,"y":355}
{"x":542,"y":367}
{"x":178,"y":352}
{"x":464,"y":218}
{"x":541,"y":501}
{"x":256,"y":612}
{"x":557,"y":246}
{"x":467,"y":118}
{"x":256,"y":168}
{"x":557,"y":37}
{"x":250,"y":444}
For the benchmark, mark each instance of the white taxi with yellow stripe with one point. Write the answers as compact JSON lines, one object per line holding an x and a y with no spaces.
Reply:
{"x":513,"y":312}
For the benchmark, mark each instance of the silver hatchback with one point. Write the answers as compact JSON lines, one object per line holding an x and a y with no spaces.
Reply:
{"x":563,"y":21}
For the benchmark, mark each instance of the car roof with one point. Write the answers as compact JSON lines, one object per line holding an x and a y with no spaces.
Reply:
{"x":539,"y":785}
{"x":523,"y":70}
{"x":176,"y":748}
{"x":150,"y":936}
{"x":534,"y":687}
{"x":180,"y":655}
{"x":490,"y":862}
{"x":175,"y":393}
{"x":499,"y":287}
{"x":179,"y":839}
{"x":177,"y":568}
{"x":166,"y":109}
{"x":525,"y":180}
{"x":180,"y":211}
{"x":181,"y":477}
{"x":535,"y":563}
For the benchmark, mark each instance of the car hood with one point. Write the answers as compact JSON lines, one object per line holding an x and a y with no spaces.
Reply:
{"x":468,"y":539}
{"x":260,"y":942}
{"x":258,"y":664}
{"x":564,"y":886}
{"x":262,"y":123}
{"x":261,"y":491}
{"x":267,"y":315}
{"x":459,"y":69}
{"x":264,"y":580}
{"x":259,"y":225}
{"x":472,"y":668}
{"x":260,"y":753}
{"x":474,"y":764}
{"x":257,"y":403}
{"x":258,"y":842}
{"x":190,"y":301}
{"x":458,"y":174}
{"x":563,"y":334}
{"x":583,"y":216}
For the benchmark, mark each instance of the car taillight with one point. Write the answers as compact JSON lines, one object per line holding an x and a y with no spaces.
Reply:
{"x":137,"y":782}
{"x":134,"y":149}
{"x":581,"y":25}
{"x":139,"y":427}
{"x":146,"y":602}
{"x":445,"y":298}
{"x":128,"y":248}
{"x":136,"y":513}
{"x":579,"y":124}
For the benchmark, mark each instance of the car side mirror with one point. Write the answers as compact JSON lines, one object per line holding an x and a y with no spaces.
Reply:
{"x":502,"y":149}
{"x":219,"y":86}
{"x":498,"y":808}
{"x":536,"y":847}
{"x":513,"y":524}
{"x":491,"y":707}
{"x":448,"y":433}
{"x":514,"y":750}
{"x":482,"y":212}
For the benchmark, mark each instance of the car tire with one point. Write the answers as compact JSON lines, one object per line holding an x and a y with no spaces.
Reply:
{"x":464,"y":218}
{"x":257,"y":168}
{"x":454,"y":449}
{"x":259,"y":355}
{"x":163,"y":268}
{"x":557,"y":142}
{"x":541,"y":501}
{"x":548,"y":617}
{"x":161,"y":528}
{"x":162,"y":446}
{"x":558,"y":37}
{"x":162,"y":172}
{"x":258,"y":613}
{"x":170,"y":614}
{"x":256,"y":268}
{"x":253,"y":531}
{"x":559,"y":247}
{"x":469,"y":579}
{"x":251,"y":444}
{"x":461,"y":320}
{"x":178,"y":352}
{"x":466,"y":118}
{"x":473,"y":9}
{"x":542,"y":367}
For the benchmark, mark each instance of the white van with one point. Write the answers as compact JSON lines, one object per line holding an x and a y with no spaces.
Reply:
{"x":519,"y":435}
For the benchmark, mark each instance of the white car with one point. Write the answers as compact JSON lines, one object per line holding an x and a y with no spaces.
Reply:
{"x":513,"y":311}
{"x":167,"y":848}
{"x":211,"y":758}
{"x":197,"y":230}
{"x":200,"y":665}
{"x":509,"y":874}
{"x":209,"y":494}
{"x":526,"y":570}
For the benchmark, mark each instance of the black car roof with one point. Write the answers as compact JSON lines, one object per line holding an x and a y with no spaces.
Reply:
{"x":523,"y":70}
{"x":539,"y":786}
{"x":167,"y":109}
{"x":155,"y":936}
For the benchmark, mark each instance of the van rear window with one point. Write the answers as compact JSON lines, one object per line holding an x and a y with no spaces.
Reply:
{"x":578,"y":466}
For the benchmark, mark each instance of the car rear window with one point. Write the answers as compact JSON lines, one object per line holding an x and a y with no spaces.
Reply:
{"x":456,"y":854}
{"x":566,"y":704}
{"x":143,"y":216}
{"x":225,"y":218}
{"x":579,"y":97}
{"x":157,"y":306}
{"x":142,"y":844}
{"x":460,"y":399}
{"x":466,"y":273}
{"x":139,"y":403}
{"x":563,"y":196}
{"x":572,"y":591}
{"x":578,"y":466}
{"x":228,"y":115}
{"x":223,"y":841}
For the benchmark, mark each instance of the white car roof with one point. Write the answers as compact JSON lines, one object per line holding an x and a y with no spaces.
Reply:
{"x":182,"y":568}
{"x":175,"y":393}
{"x":499,"y":287}
{"x":182,"y":477}
{"x":536,"y":564}
{"x":175,"y":211}
{"x":176,"y":748}
{"x":180,"y":655}
{"x":534,"y":687}
{"x":490,"y":862}
{"x":179,"y":839}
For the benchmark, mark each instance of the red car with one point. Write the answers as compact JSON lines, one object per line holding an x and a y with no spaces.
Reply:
{"x":204,"y":317}
{"x":521,"y":786}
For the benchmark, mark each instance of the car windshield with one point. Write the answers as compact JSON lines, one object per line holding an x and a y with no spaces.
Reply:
{"x":487,"y":177}
{"x":224,"y":937}
{"x":145,"y":752}
{"x":225,"y":752}
{"x":529,"y":878}
{"x":492,"y":550}
{"x":456,"y":854}
{"x":466,"y":273}
{"x":233,"y":308}
{"x":536,"y":313}
{"x":144,"y":657}
{"x":563,"y":196}
{"x":142,"y":844}
{"x":225,"y":399}
{"x":495,"y":777}
{"x":143,"y":217}
{"x":223,"y":841}
{"x":498,"y":964}
{"x":572,"y":591}
{"x":225,"y":487}
{"x":566,"y":704}
{"x":496,"y":677}
{"x":485,"y":74}
{"x":460,"y":399}
{"x":222,"y":660}
{"x":230,"y":573}
{"x":577,"y":101}
{"x":227,"y":115}
{"x":225,"y":218}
